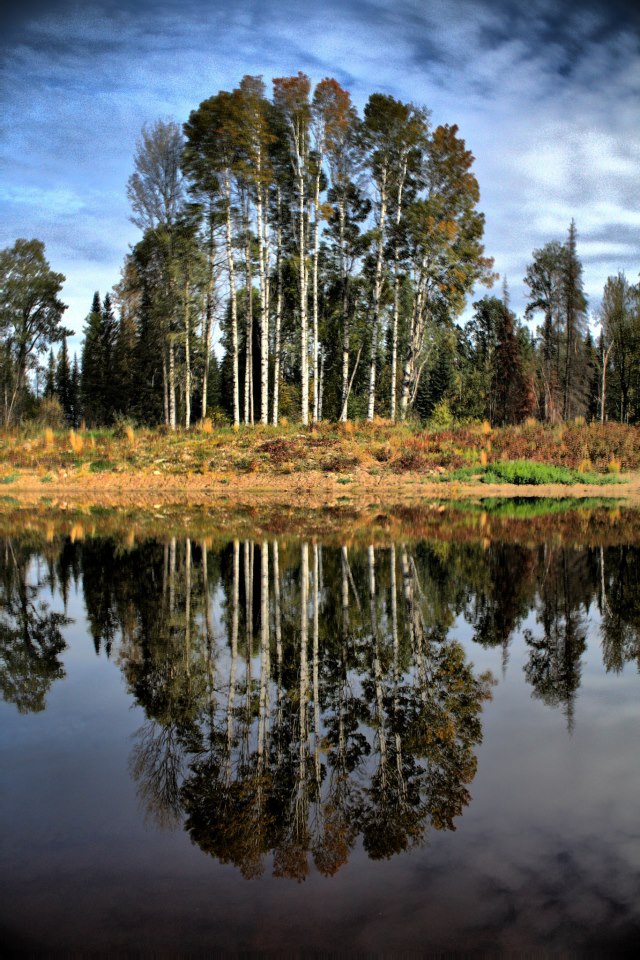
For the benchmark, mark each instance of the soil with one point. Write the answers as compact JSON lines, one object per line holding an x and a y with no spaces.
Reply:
{"x":310,"y":489}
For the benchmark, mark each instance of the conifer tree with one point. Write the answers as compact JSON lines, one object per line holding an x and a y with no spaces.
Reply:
{"x":63,"y":381}
{"x":50,"y":377}
{"x":92,"y":365}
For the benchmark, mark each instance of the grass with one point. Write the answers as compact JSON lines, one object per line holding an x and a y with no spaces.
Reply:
{"x":380,"y":449}
{"x":529,"y":472}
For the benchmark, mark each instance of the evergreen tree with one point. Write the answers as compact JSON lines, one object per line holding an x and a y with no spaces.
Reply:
{"x":108,"y":335}
{"x":74,"y":393}
{"x":574,"y":303}
{"x":92,"y":365}
{"x":63,"y":381}
{"x":50,"y":377}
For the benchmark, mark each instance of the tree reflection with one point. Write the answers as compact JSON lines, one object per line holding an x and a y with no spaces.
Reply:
{"x":300,"y":699}
{"x":555,"y":658}
{"x":365,"y":733}
{"x":31,"y":640}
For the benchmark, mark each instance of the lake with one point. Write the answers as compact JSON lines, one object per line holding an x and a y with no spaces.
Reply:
{"x":415,"y":734}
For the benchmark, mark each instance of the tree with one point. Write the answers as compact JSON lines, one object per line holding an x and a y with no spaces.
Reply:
{"x":446,"y":255}
{"x":544,"y":279}
{"x":156,"y":192}
{"x":209,"y":159}
{"x":63,"y":382}
{"x":291,"y":99}
{"x":92,"y":365}
{"x":30,"y":315}
{"x":574,"y":305}
{"x":619,"y":344}
{"x":155,"y":188}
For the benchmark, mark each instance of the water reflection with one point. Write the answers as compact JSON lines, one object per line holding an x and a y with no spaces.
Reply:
{"x":300,"y":698}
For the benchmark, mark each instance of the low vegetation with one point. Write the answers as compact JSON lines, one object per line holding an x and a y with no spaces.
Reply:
{"x":531,"y":453}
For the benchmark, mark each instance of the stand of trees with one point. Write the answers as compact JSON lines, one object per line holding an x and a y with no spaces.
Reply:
{"x":329,"y":255}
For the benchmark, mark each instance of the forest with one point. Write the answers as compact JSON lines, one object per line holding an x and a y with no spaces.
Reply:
{"x":300,"y":262}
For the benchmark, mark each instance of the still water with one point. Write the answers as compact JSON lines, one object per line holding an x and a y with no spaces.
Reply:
{"x":280,"y":744}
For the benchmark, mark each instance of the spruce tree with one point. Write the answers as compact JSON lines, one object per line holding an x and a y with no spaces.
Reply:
{"x":63,"y":381}
{"x":108,"y":336}
{"x":574,"y":305}
{"x":50,"y":377}
{"x":92,"y":365}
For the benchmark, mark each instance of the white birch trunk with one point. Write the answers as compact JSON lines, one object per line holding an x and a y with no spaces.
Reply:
{"x":233,"y":305}
{"x":172,"y":383}
{"x":264,"y":308}
{"x":278,"y":315}
{"x":187,"y":357}
{"x":377,"y":297}
{"x":396,"y":293}
{"x":346,"y":320}
{"x":314,"y":300}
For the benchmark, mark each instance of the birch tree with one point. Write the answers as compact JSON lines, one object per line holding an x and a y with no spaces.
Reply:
{"x":444,"y":231}
{"x":291,"y":99}
{"x":156,"y":193}
{"x":209,"y":159}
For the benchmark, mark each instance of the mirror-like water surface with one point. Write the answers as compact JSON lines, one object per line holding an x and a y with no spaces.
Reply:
{"x":283,"y":744}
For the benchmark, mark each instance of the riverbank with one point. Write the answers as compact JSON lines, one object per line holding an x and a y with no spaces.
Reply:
{"x":323,"y":465}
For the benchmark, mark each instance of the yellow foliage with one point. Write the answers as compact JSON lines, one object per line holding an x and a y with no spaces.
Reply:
{"x":486,"y":427}
{"x":130,"y":434}
{"x":585,"y":465}
{"x":614,"y":465}
{"x":75,"y":441}
{"x":48,"y":437}
{"x":207,"y":426}
{"x":484,"y":459}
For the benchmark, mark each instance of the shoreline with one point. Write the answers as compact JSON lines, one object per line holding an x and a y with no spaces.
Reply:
{"x":311,"y":489}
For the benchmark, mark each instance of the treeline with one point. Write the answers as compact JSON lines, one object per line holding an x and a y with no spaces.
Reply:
{"x":329,"y":257}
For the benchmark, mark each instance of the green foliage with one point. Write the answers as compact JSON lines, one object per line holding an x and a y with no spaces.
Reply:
{"x":528,"y":472}
{"x":30,"y":318}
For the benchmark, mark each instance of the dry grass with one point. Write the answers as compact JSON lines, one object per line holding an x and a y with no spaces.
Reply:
{"x":380,"y":448}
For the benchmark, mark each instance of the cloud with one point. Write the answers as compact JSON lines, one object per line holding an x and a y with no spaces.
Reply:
{"x":544,"y":94}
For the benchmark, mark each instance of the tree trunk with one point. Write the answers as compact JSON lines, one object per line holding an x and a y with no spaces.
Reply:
{"x":264,"y":309}
{"x":396,"y":293}
{"x":207,"y":322}
{"x":377,"y":297}
{"x":304,"y":326}
{"x":346,"y":324}
{"x":315,"y":356}
{"x":278,"y":316}
{"x":172,"y":384}
{"x":233,"y":305}
{"x":187,"y":356}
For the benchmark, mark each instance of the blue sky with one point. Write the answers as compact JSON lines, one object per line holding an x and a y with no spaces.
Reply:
{"x":546,"y":94}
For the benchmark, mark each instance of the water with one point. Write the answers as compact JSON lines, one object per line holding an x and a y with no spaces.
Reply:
{"x":279,"y":744}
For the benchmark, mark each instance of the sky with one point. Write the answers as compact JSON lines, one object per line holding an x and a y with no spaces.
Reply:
{"x":545,"y":93}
